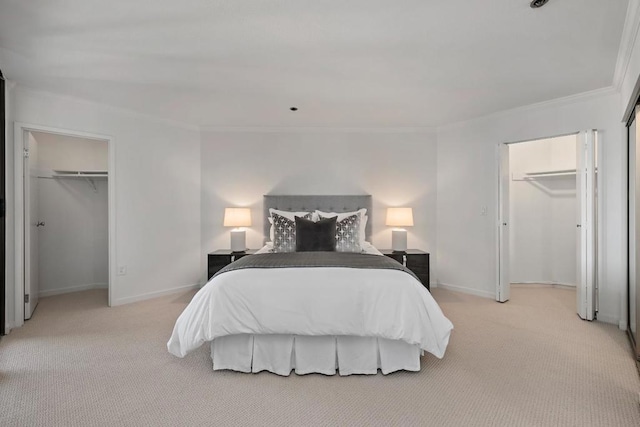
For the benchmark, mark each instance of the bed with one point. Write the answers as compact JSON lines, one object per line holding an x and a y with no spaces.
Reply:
{"x":314,"y":312}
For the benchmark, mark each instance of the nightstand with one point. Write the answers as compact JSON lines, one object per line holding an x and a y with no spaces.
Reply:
{"x":415,"y":260}
{"x":218,"y":259}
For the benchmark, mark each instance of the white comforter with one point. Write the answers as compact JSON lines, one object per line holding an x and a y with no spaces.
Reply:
{"x":313,"y":301}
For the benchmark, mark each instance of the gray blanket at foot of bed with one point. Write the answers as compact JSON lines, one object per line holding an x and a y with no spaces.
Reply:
{"x":315,"y":259}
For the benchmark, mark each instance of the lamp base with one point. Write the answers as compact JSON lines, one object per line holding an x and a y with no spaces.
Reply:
{"x":399,"y":240}
{"x":238,"y":241}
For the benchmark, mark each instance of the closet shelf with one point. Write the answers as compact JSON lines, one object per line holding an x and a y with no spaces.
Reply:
{"x":87,"y":175}
{"x":79,"y":174}
{"x":528,"y":176}
{"x":543,"y":174}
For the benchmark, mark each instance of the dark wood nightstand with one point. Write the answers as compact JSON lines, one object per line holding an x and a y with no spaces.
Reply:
{"x":218,"y":259}
{"x":415,"y":260}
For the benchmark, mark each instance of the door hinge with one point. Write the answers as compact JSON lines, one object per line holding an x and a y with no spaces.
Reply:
{"x":26,"y":298}
{"x":26,"y":152}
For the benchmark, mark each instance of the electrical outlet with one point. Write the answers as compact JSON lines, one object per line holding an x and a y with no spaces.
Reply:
{"x":122,"y":270}
{"x":483,"y":211}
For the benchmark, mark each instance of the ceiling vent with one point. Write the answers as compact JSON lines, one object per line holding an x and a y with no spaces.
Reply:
{"x":538,"y":3}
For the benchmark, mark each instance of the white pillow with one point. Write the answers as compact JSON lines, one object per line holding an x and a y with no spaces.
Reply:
{"x":289,"y":215}
{"x":342,"y":215}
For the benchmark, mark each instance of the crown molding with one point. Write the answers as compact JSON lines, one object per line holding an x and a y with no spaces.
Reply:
{"x":552,"y":103}
{"x":120,"y":110}
{"x":627,"y":42}
{"x":319,"y":129}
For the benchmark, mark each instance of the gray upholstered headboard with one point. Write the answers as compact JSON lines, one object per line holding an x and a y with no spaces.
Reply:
{"x":311,"y":203}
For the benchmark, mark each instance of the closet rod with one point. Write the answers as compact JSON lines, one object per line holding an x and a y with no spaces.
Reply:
{"x":528,"y":176}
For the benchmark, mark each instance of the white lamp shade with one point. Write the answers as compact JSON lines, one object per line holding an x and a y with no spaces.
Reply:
{"x":237,"y":217}
{"x":400,"y":217}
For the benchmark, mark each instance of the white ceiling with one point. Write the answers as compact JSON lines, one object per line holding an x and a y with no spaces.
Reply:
{"x":357,"y":63}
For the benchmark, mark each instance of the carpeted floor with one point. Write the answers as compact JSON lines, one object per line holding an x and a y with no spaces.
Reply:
{"x":529,"y":362}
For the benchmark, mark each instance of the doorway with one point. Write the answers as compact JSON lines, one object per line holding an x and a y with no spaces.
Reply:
{"x":68,"y":204}
{"x":65,"y":216}
{"x":548,"y":222}
{"x":543,"y":208}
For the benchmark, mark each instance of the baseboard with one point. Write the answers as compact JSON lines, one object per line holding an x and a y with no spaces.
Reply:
{"x":8,"y":326}
{"x":532,"y":282}
{"x":622,"y":325}
{"x":69,"y":289}
{"x":610,"y":319}
{"x":541,"y":283}
{"x":471,"y":291}
{"x":151,"y":295}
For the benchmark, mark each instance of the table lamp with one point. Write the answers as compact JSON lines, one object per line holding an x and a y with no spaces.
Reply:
{"x":238,"y":217}
{"x":399,"y":217}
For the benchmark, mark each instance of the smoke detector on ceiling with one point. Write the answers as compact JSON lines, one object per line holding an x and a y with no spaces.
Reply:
{"x":538,"y":3}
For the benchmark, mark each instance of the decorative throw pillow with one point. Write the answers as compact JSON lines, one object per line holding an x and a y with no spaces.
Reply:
{"x":315,"y":236}
{"x":348,"y":234}
{"x":284,"y":233}
{"x":287,"y":214}
{"x":342,"y":215}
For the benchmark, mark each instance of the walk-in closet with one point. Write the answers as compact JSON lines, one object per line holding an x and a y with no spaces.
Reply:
{"x":68,"y":210}
{"x":544,"y":211}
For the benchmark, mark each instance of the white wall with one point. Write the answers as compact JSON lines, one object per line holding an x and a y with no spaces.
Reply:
{"x":396,"y":168}
{"x":73,"y":245}
{"x":543,"y":212}
{"x":157,"y":178}
{"x":467,"y":181}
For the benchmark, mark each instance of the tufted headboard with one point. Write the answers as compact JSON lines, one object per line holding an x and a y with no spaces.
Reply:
{"x":311,"y":203}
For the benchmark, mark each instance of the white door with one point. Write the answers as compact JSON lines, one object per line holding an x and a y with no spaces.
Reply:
{"x":504,"y":281}
{"x":31,"y":226}
{"x":586,"y":223}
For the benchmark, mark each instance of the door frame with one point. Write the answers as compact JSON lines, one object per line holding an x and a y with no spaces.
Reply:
{"x":20,"y":132}
{"x":599,"y":205}
{"x":3,"y":200}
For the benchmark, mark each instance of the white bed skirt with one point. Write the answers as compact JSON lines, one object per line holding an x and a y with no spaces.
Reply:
{"x":326,"y":355}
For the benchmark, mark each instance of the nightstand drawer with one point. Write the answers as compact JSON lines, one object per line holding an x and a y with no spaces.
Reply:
{"x":217,"y":260}
{"x":416,"y":260}
{"x":397,"y":257}
{"x":418,"y":270}
{"x":213,"y":269}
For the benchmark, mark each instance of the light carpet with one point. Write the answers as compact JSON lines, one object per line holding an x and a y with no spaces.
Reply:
{"x":529,"y":362}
